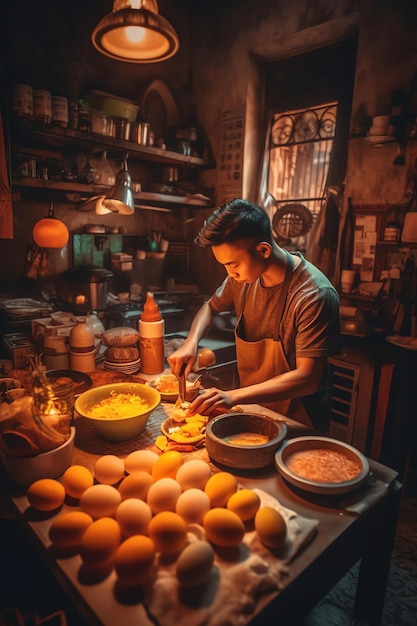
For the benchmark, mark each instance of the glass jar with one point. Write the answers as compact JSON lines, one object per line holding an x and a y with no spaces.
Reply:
{"x":53,"y":405}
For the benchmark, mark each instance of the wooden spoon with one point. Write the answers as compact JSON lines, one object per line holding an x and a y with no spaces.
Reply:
{"x":18,"y":444}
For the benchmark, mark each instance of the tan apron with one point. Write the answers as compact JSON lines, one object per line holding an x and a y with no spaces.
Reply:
{"x":258,"y":361}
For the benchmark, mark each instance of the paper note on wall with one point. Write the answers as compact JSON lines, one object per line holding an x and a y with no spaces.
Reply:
{"x":364,"y":245}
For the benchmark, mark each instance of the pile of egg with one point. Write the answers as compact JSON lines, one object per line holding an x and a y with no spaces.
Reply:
{"x":131,"y":509}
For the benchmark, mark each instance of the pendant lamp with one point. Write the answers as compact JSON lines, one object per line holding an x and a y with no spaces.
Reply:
{"x":134,"y":32}
{"x":120,"y":197}
{"x":50,"y":232}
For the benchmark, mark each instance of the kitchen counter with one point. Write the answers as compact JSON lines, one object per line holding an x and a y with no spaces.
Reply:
{"x":348,"y":528}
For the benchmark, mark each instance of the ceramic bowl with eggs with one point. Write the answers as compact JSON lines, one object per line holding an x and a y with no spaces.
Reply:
{"x":244,"y":440}
{"x":118,"y":411}
{"x":24,"y":470}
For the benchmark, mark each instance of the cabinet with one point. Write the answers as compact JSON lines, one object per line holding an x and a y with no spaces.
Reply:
{"x":354,"y":378}
{"x":43,"y":141}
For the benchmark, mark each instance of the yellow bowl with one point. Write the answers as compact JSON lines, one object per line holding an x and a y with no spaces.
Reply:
{"x":118,"y":428}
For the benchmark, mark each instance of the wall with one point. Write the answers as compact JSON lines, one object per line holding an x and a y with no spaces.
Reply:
{"x":230,"y":43}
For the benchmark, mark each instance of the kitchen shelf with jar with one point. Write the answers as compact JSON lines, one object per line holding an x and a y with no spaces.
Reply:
{"x":27,"y":136}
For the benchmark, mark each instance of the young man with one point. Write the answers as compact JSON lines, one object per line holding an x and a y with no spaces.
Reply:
{"x":287,"y":320}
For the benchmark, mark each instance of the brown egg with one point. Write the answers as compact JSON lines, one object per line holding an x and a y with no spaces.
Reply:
{"x":223,"y":527}
{"x":100,"y":541}
{"x":134,"y":560}
{"x":46,"y":494}
{"x":168,"y":532}
{"x":245,"y":503}
{"x":76,"y":479}
{"x":270,"y":526}
{"x":66,"y":531}
{"x":136,"y":485}
{"x":220,"y":487}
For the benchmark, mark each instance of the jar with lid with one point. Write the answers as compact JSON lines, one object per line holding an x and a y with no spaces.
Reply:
{"x":22,"y":100}
{"x":82,"y":352}
{"x":392,"y":228}
{"x":60,"y":113}
{"x":42,"y":105}
{"x":53,"y":404}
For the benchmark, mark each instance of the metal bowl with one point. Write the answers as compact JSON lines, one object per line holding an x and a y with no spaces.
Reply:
{"x":121,"y":428}
{"x":225,"y":452}
{"x":324,"y":443}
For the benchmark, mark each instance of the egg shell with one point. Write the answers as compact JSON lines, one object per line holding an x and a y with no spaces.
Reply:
{"x":66,"y":531}
{"x":136,"y":485}
{"x":100,"y":501}
{"x":270,"y":526}
{"x":245,"y":503}
{"x":223,"y":527}
{"x":109,"y":469}
{"x":167,"y":465}
{"x":134,"y":560}
{"x":193,"y":474}
{"x":140,"y":461}
{"x":46,"y":494}
{"x":194,"y":564}
{"x":76,"y":479}
{"x":133,"y":516}
{"x":100,"y":541}
{"x":163,"y":495}
{"x":220,"y":487}
{"x":168,"y":532}
{"x":192,"y":505}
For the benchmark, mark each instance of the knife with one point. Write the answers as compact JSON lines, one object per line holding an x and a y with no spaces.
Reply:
{"x":182,"y":383}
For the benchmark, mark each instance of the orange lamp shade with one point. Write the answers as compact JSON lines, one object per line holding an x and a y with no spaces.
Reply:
{"x":50,"y":232}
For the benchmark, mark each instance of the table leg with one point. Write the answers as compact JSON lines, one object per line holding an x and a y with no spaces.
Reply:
{"x":375,"y":562}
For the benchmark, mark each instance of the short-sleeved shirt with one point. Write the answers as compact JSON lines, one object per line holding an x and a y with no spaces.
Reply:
{"x":310,"y":325}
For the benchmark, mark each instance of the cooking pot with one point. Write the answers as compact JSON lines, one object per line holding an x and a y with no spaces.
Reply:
{"x":84,"y":288}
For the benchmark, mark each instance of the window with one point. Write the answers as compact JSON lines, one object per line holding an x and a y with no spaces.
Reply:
{"x":309,"y":98}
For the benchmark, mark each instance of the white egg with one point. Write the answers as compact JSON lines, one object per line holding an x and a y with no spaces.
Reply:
{"x":194,"y":564}
{"x":100,"y":501}
{"x":133,"y":516}
{"x":140,"y":460}
{"x":163,"y":495}
{"x":109,"y":469}
{"x":192,"y":505}
{"x":193,"y":474}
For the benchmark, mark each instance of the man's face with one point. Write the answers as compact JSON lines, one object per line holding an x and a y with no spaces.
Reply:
{"x":242,"y":260}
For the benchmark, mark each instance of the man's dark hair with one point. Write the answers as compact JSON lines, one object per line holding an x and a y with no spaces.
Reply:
{"x":237,"y":219}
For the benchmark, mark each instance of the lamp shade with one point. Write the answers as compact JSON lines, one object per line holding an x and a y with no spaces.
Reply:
{"x":134,"y":32}
{"x":120,"y":197}
{"x":50,"y":232}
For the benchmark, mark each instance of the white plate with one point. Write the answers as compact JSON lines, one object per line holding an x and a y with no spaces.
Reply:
{"x":409,"y":343}
{"x":309,"y":443}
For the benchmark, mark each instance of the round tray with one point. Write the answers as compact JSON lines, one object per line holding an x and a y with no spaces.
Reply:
{"x":326,"y":443}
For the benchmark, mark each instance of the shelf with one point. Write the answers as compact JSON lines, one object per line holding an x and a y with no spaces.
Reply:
{"x":147,"y":197}
{"x":24,"y":130}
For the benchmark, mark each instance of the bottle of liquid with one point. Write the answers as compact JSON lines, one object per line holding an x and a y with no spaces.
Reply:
{"x":42,"y":105}
{"x":151,"y":337}
{"x":60,"y":113}
{"x":82,"y":353}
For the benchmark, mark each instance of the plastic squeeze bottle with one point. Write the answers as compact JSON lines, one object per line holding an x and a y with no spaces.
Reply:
{"x":151,"y":337}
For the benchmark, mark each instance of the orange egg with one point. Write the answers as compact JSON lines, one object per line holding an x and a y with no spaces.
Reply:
{"x":100,"y":541}
{"x":168,"y":532}
{"x":167,"y":465}
{"x":136,"y":485}
{"x":223,"y":527}
{"x":66,"y":531}
{"x":46,"y":494}
{"x":245,"y":503}
{"x":271,"y":527}
{"x":134,"y":560}
{"x":76,"y":479}
{"x":220,"y":487}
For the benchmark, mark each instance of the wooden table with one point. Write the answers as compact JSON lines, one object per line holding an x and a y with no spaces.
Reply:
{"x":343,"y":537}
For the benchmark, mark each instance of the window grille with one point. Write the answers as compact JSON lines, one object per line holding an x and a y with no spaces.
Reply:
{"x":299,"y":155}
